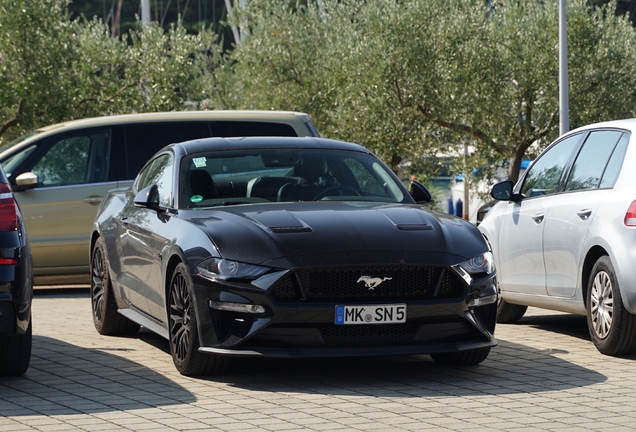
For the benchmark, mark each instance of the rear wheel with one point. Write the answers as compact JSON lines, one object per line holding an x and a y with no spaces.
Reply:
{"x":463,"y":358}
{"x":612,"y":327}
{"x":105,"y":316}
{"x":182,"y":326}
{"x":15,"y":353}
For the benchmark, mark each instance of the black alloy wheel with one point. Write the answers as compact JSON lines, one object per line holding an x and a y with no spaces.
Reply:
{"x":182,"y":326}
{"x":105,"y":316}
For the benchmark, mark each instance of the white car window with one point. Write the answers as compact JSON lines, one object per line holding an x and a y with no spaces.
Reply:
{"x":591,"y":161}
{"x":545,"y":173}
{"x":615,"y":163}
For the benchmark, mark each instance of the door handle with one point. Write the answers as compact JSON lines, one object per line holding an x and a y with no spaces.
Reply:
{"x":538,"y":218}
{"x":93,"y":200}
{"x":584,"y":214}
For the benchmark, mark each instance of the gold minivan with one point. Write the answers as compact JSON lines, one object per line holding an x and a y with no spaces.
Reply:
{"x":60,"y":173}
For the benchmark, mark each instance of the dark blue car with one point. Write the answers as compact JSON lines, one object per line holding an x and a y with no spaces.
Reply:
{"x":16,"y":286}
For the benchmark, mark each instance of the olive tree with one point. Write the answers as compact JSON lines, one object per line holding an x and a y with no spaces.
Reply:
{"x":326,"y":62}
{"x":55,"y":69}
{"x":415,"y":78}
{"x":35,"y":50}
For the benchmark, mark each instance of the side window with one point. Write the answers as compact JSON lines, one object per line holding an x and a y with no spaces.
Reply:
{"x":543,"y":176}
{"x":591,"y":161}
{"x":377,"y":183}
{"x":75,"y":160}
{"x":159,"y":172}
{"x":368,"y":183}
{"x":615,"y":163}
{"x":144,"y":140}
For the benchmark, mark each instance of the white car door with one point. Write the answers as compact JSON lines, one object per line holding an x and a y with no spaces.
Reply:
{"x":569,"y":217}
{"x":521,"y":236}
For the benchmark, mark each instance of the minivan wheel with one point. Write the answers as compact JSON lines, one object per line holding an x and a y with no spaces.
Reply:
{"x":105,"y":316}
{"x":182,"y":327}
{"x":612,"y":328}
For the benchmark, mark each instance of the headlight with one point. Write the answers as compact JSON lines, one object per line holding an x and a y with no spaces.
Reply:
{"x":483,"y":263}
{"x":218,"y":268}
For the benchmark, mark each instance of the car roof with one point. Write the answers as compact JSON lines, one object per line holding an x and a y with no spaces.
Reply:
{"x":207,"y":144}
{"x":629,"y":124}
{"x":176,"y":116}
{"x":173,"y":116}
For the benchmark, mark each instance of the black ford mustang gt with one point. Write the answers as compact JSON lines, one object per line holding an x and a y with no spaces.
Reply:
{"x":287,"y":247}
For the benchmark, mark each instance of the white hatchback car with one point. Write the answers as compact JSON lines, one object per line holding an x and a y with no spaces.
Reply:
{"x":564,"y":237}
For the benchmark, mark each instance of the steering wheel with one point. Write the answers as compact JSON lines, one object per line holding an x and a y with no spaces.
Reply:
{"x":342,"y":188}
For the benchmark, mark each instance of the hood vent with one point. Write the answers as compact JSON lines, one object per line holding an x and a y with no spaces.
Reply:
{"x":415,"y":227}
{"x":290,"y":229}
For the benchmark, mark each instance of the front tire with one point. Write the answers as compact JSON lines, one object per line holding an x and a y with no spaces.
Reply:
{"x":463,"y":358}
{"x":105,"y":316}
{"x":15,"y":352}
{"x":182,"y":327}
{"x":612,"y":328}
{"x":508,"y":313}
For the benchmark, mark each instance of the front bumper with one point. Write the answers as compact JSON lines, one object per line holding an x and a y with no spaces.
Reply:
{"x":293,"y":326}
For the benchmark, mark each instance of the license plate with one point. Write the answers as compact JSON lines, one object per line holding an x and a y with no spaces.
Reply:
{"x":371,"y":314}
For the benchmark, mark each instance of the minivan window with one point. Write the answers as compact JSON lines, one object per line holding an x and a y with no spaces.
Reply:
{"x":591,"y":161}
{"x":545,"y":173}
{"x":11,"y":163}
{"x":230,"y":129}
{"x":144,"y":140}
{"x":16,"y":141}
{"x":75,"y":160}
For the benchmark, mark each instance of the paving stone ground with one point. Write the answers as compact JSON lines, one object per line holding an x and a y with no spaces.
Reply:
{"x":545,"y":375}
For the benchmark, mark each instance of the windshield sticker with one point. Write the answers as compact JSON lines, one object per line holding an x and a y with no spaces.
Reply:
{"x":196,"y":198}
{"x":199,"y":162}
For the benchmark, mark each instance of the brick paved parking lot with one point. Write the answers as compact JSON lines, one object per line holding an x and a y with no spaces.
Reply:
{"x":544,"y":375}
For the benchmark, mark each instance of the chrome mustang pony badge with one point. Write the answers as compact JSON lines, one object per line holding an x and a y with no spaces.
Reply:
{"x":372,"y":282}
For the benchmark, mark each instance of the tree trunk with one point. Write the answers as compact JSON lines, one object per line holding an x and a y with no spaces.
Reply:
{"x":515,"y":163}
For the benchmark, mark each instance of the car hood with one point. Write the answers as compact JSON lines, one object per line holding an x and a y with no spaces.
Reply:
{"x":264,"y":233}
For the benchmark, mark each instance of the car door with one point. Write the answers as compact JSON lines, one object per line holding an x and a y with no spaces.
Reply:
{"x":72,"y":177}
{"x":145,"y":236}
{"x":569,"y":217}
{"x":520,"y":245}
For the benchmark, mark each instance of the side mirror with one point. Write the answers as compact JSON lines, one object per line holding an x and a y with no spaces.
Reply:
{"x":420,"y":193}
{"x":26,"y":180}
{"x":502,"y":191}
{"x":148,"y":198}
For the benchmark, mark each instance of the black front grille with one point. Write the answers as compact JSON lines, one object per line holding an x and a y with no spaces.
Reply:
{"x":369,"y":334}
{"x":399,"y":283}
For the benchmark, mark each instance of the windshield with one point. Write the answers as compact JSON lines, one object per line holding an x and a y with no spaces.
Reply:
{"x":10,"y":144}
{"x":246,"y":176}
